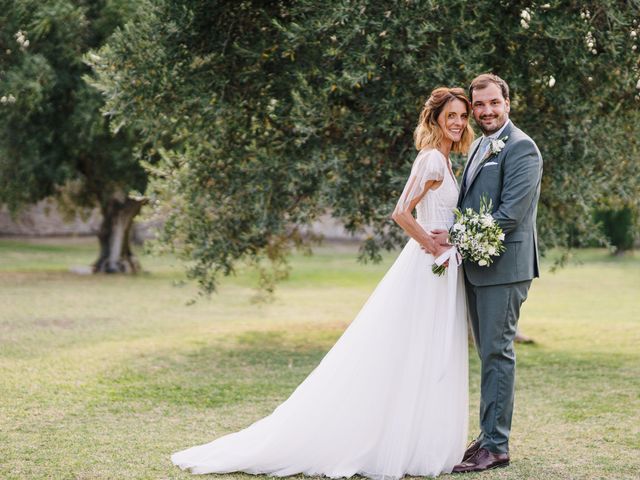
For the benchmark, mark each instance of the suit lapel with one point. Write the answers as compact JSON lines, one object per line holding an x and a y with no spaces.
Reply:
{"x":505,"y":132}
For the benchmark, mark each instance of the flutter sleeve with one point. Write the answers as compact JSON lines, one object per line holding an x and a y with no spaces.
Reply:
{"x":428,"y":166}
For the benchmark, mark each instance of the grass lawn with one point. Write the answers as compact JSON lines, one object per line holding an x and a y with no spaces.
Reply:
{"x":105,"y":376}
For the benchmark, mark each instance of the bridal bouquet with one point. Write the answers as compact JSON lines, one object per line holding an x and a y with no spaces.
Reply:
{"x":476,"y":236}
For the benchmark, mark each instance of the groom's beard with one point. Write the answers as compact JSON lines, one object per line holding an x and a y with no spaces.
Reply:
{"x":493,"y":126}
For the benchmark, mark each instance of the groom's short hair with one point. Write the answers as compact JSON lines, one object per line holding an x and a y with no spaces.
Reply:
{"x":483,"y":81}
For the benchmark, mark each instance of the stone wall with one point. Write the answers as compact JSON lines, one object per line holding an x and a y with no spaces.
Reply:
{"x":44,"y":219}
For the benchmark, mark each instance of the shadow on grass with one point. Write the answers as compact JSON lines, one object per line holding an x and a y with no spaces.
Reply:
{"x":248,"y":367}
{"x":257,"y":366}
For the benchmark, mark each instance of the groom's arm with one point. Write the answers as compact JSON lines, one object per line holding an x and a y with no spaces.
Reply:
{"x":522,"y":171}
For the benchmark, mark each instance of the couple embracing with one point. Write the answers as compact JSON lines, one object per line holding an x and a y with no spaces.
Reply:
{"x":391,"y":396}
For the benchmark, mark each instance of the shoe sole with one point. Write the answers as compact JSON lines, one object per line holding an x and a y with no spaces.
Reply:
{"x":500,"y":465}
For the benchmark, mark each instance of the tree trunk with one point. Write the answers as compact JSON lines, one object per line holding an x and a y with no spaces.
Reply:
{"x":116,"y":255}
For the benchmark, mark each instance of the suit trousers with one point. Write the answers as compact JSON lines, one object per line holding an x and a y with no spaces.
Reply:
{"x":493,"y":313}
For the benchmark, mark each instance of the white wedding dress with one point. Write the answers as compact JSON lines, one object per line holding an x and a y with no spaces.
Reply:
{"x":390,"y":398}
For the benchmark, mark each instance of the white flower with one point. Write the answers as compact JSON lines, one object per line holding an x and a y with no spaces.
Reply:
{"x":496,"y":146}
{"x":594,"y":51}
{"x":501,"y":237}
{"x":546,"y":6}
{"x":638,"y":84}
{"x":552,"y":81}
{"x":525,"y":15}
{"x":524,"y":23}
{"x":21,"y":38}
{"x":4,"y":99}
{"x":633,"y":33}
{"x":94,"y":57}
{"x":589,"y":41}
{"x":11,"y":99}
{"x":475,"y":234}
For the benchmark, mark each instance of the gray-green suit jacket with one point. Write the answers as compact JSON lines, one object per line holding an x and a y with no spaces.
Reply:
{"x":511,"y":179}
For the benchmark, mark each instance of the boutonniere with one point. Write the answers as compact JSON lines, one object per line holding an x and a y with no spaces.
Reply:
{"x":495,"y":147}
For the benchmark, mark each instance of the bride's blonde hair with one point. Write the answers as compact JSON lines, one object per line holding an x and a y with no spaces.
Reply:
{"x":428,"y":133}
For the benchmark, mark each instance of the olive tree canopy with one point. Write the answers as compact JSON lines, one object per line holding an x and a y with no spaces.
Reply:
{"x":265,"y":114}
{"x":54,"y":139}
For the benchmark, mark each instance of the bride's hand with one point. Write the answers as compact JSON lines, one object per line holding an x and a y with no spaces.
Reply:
{"x":441,"y":236}
{"x":440,"y":249}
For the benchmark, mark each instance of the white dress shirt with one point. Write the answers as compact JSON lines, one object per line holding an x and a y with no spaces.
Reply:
{"x":482,"y":150}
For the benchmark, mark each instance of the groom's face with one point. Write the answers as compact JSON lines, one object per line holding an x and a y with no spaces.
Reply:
{"x":490,"y":108}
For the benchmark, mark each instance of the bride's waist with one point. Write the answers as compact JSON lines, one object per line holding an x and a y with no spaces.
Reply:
{"x":434,"y":225}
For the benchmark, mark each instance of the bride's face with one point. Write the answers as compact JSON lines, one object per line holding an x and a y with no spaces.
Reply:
{"x":453,"y":120}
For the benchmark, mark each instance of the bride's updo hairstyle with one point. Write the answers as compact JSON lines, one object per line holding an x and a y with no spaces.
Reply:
{"x":428,"y":133}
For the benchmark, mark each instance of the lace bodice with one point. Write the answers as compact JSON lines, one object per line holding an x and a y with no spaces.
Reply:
{"x":435,"y":209}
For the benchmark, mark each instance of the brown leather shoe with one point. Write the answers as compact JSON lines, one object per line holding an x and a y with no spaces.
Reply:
{"x":472,"y":448}
{"x":482,"y":460}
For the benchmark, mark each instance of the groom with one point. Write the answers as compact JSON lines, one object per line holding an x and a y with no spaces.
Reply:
{"x":505,"y":166}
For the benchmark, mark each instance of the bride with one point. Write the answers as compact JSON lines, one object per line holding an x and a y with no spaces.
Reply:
{"x":390,"y":398}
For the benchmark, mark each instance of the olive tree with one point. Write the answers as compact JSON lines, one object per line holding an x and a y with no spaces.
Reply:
{"x":261,"y":114}
{"x":54,"y":140}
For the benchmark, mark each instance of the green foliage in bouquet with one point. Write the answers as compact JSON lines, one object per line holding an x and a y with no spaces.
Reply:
{"x":476,"y":236}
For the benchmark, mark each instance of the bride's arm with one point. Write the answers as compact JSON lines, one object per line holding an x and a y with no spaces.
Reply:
{"x":403,"y":216}
{"x":427,"y":173}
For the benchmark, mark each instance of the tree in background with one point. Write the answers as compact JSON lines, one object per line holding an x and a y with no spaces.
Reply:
{"x":53,"y":138}
{"x":265,"y":114}
{"x":619,"y":225}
